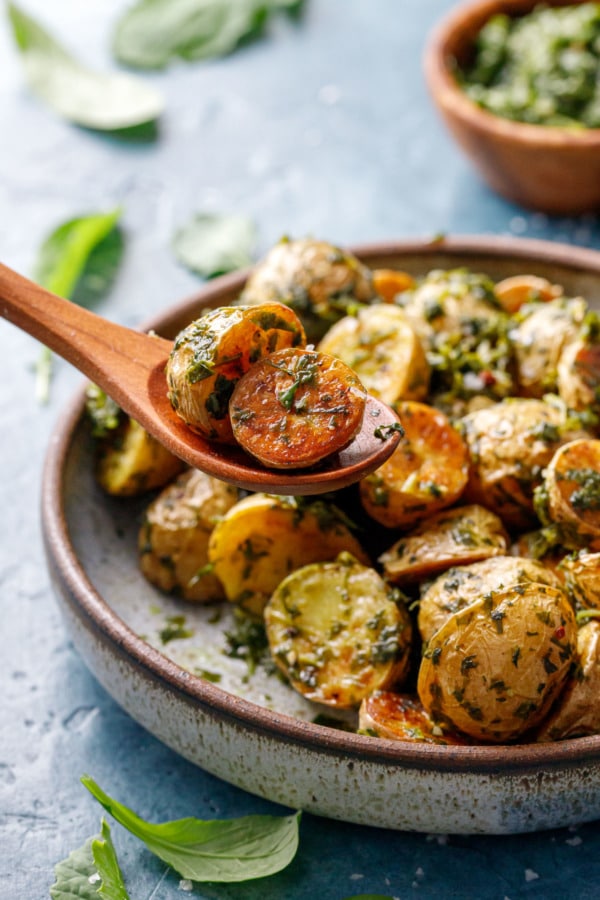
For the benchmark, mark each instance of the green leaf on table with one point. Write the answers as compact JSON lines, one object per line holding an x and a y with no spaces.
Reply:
{"x":153,"y":32}
{"x":212,"y":244}
{"x":90,"y":872}
{"x":222,"y":850}
{"x":106,"y":102}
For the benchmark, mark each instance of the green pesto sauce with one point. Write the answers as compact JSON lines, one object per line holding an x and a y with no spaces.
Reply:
{"x":542,"y":69}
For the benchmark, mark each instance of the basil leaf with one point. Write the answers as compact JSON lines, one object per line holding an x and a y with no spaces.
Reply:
{"x":90,"y":872}
{"x":106,"y":102}
{"x":212,"y":244}
{"x":154,"y":32}
{"x":226,"y":850}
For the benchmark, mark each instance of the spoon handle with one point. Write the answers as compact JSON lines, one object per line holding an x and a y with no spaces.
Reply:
{"x":110,"y":355}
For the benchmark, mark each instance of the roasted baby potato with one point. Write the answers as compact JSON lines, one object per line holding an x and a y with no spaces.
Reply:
{"x":576,"y":712}
{"x":509,"y":445}
{"x":388,"y":283}
{"x":319,"y":281}
{"x":402,"y":717}
{"x":173,"y":539}
{"x":570,"y":496}
{"x":296,"y":407}
{"x":578,"y":374}
{"x":462,"y":585}
{"x":581,"y":571}
{"x":131,"y":462}
{"x":454,"y":537}
{"x":518,"y":290}
{"x":211,"y":355}
{"x":263,"y":538}
{"x":426,"y":472}
{"x":338,"y":632}
{"x":493,"y":669}
{"x":384,"y":350}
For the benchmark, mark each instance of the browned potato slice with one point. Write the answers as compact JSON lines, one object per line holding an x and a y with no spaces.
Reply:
{"x":130,"y":461}
{"x":451,"y":538}
{"x":382,"y":347}
{"x":541,"y":332}
{"x":579,"y":375}
{"x":462,"y":585}
{"x":427,"y":472}
{"x":296,"y":407}
{"x":388,"y":283}
{"x":582,"y":577}
{"x":320,"y":282}
{"x":572,"y":489}
{"x":510,"y":443}
{"x":173,"y":540}
{"x":263,"y":538}
{"x":493,"y":669}
{"x":517,"y":290}
{"x":402,"y":717}
{"x":577,"y":710}
{"x":338,"y":632}
{"x":211,"y":355}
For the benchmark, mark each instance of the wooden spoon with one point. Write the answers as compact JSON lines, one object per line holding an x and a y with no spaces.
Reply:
{"x":129,"y":366}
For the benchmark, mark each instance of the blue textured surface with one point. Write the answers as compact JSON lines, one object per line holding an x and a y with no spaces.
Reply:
{"x":323,"y":128}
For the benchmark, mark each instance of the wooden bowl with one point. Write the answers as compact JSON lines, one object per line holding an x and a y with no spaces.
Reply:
{"x":555,"y":170}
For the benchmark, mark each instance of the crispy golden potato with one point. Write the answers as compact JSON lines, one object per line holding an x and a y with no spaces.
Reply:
{"x":451,"y":538}
{"x":517,"y":290}
{"x":493,"y":669}
{"x":540,"y":333}
{"x":263,"y":538}
{"x":131,"y":462}
{"x":319,"y":281}
{"x":581,"y":571}
{"x":211,"y":355}
{"x":338,"y":632}
{"x":388,"y":283}
{"x":173,"y":539}
{"x":509,"y":445}
{"x":402,"y":717}
{"x":296,"y":407}
{"x":576,"y":713}
{"x":578,"y":374}
{"x":382,"y":347}
{"x":426,"y":472}
{"x":462,"y":585}
{"x":571,"y":493}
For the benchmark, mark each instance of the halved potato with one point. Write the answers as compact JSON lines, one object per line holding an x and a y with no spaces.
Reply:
{"x":382,"y":347}
{"x":578,"y":374}
{"x":572,"y":493}
{"x":388,"y":283}
{"x":451,"y":538}
{"x":427,"y":472}
{"x":338,"y":632}
{"x":577,"y":711}
{"x":581,"y":572}
{"x":263,"y":538}
{"x":462,"y":585}
{"x":402,"y":717}
{"x":173,"y":539}
{"x":517,"y":290}
{"x":211,"y":355}
{"x":131,"y":462}
{"x":493,"y":669}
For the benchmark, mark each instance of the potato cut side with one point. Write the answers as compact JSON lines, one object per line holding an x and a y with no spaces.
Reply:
{"x":338,"y":632}
{"x":517,"y":290}
{"x":131,"y":462}
{"x":402,"y":717}
{"x":572,"y":489}
{"x":581,"y":572}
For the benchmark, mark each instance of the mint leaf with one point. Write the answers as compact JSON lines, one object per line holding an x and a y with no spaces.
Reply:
{"x":154,"y":32}
{"x":212,"y":244}
{"x":106,"y":102}
{"x":90,"y":872}
{"x":225,"y":850}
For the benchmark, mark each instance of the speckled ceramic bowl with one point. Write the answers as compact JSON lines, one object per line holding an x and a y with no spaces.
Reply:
{"x":258,"y":734}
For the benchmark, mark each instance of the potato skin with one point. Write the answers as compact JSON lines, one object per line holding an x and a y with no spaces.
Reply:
{"x":493,"y":669}
{"x":581,"y":572}
{"x":382,"y":347}
{"x":572,"y":493}
{"x":318,"y":280}
{"x":296,"y":407}
{"x":213,"y":352}
{"x":453,"y":537}
{"x":130,"y":462}
{"x":338,"y":632}
{"x":427,"y":471}
{"x":462,"y":585}
{"x":173,"y":539}
{"x":263,"y":538}
{"x":402,"y":717}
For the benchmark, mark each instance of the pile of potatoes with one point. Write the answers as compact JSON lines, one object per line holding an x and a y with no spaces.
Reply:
{"x":453,"y":595}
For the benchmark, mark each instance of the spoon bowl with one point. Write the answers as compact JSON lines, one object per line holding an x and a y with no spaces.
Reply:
{"x":129,"y":366}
